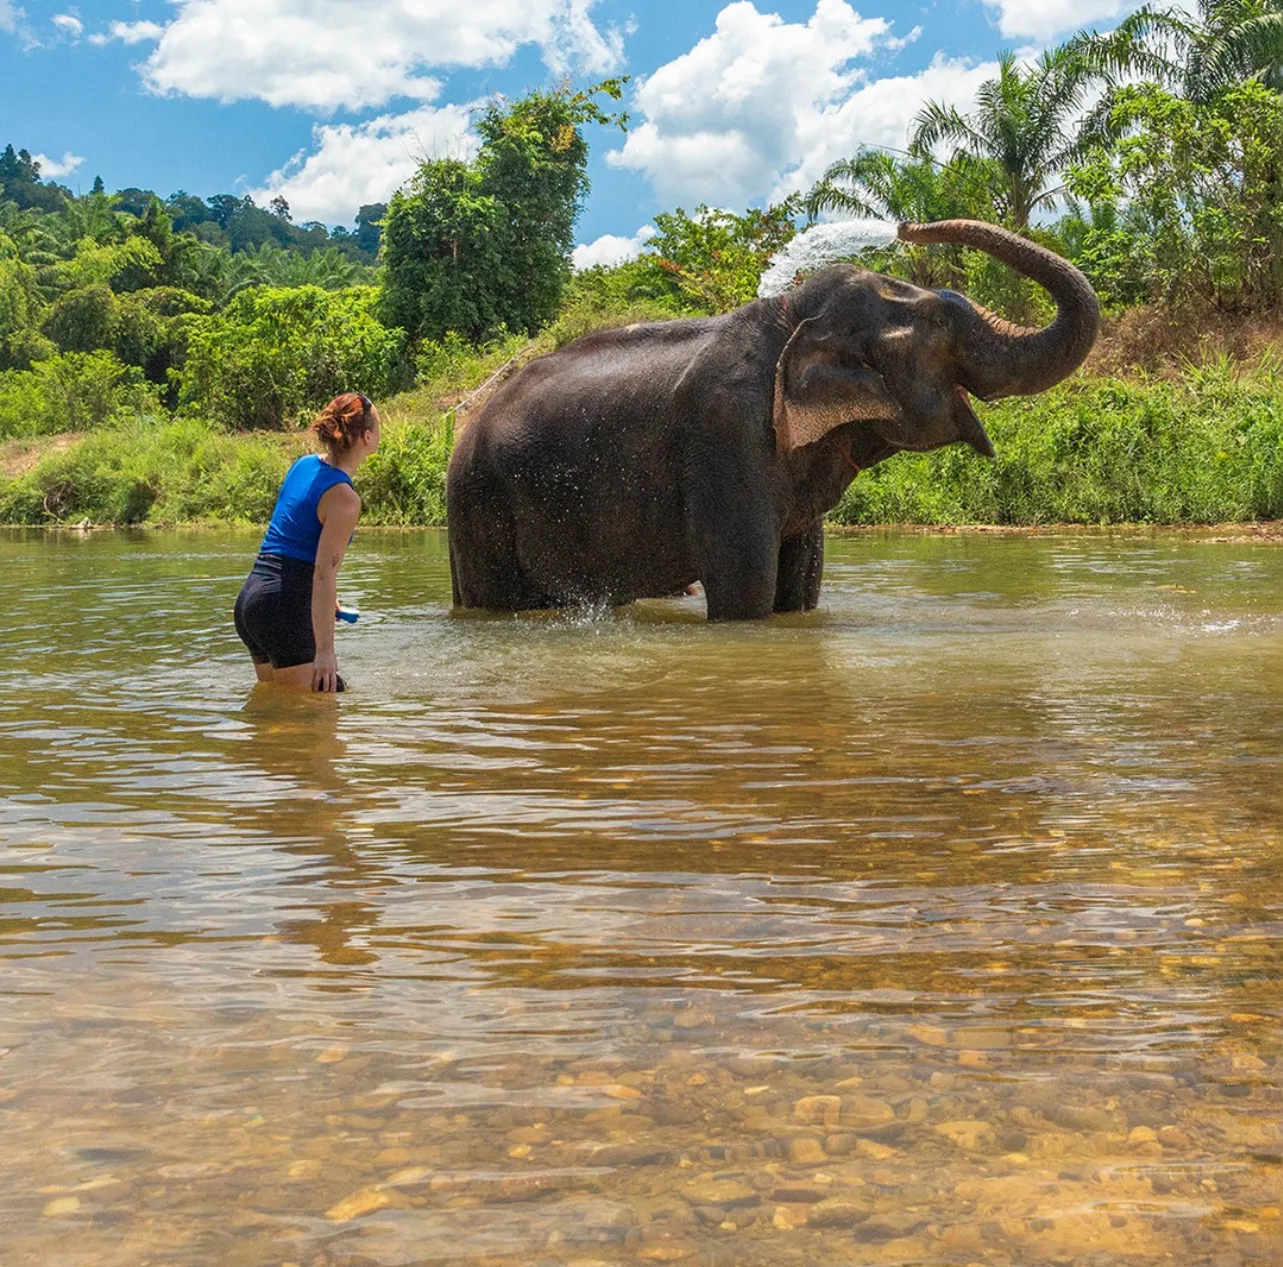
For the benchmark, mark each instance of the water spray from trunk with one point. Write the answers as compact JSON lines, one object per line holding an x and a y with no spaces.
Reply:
{"x":822,"y":244}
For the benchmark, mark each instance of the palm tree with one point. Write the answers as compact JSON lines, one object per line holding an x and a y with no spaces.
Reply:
{"x":885,"y":187}
{"x":874,"y":183}
{"x":1022,"y":127}
{"x":1198,"y":55}
{"x":92,"y":216}
{"x":272,"y":265}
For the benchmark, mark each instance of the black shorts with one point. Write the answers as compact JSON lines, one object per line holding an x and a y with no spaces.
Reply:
{"x":273,"y":612}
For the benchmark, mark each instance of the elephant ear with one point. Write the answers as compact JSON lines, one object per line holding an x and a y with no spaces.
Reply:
{"x":814,"y":394}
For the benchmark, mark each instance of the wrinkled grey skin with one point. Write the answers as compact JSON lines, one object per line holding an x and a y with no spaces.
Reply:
{"x":634,"y":462}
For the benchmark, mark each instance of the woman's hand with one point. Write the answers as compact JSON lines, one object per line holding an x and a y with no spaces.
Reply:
{"x":325,"y":671}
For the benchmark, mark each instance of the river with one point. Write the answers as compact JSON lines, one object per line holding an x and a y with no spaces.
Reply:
{"x":943,"y":925}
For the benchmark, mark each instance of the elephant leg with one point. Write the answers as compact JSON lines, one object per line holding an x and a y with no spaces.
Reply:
{"x":801,"y":565}
{"x":485,"y":570}
{"x":736,"y":549}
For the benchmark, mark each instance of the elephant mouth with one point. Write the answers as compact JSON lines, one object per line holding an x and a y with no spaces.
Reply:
{"x":960,"y":425}
{"x":970,"y":430}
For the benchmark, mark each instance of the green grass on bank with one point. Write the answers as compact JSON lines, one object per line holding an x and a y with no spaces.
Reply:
{"x":1206,"y":448}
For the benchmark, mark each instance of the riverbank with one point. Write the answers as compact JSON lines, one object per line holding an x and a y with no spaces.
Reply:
{"x":1204,"y":448}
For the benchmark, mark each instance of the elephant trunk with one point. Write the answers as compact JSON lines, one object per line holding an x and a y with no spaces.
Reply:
{"x":1002,"y":359}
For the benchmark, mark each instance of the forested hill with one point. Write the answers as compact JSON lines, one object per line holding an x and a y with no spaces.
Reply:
{"x":228,"y":221}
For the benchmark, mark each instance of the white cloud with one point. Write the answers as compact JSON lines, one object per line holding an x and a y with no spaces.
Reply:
{"x":52,"y":168}
{"x":761,"y":106}
{"x":129,"y":33}
{"x":1041,"y":19}
{"x":13,"y":21}
{"x":354,"y":164}
{"x":69,"y":26}
{"x":880,"y":113}
{"x":323,"y":54}
{"x":611,"y":248}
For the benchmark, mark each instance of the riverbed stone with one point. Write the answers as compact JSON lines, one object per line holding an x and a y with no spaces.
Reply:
{"x":981,"y":1038}
{"x":807,"y":1152}
{"x":365,"y":1201}
{"x":1076,"y":1117}
{"x":694,"y":1018}
{"x":971,"y":1134}
{"x":798,"y":1193}
{"x":822,"y":1110}
{"x":594,"y":1219}
{"x":838,"y":1212}
{"x":672,"y":1253}
{"x":890,"y":1225}
{"x":724,"y":1193}
{"x":863,"y":1112}
{"x":633,"y":1155}
{"x":874,"y":1151}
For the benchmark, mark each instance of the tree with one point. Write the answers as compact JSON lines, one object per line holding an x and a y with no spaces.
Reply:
{"x":187,"y":211}
{"x":473,"y":247}
{"x":20,"y":182}
{"x":534,"y":162}
{"x":19,"y":308}
{"x":273,"y":265}
{"x":715,"y":259}
{"x":280,"y":208}
{"x":223,"y":207}
{"x":1020,"y":130}
{"x":1201,"y":195}
{"x":443,"y":249}
{"x":134,"y":201}
{"x":369,"y":226}
{"x":1197,"y":55}
{"x":83,"y":319}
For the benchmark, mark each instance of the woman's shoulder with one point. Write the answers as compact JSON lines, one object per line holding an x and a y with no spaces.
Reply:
{"x":328,"y":472}
{"x":340,"y":497}
{"x":304,"y":466}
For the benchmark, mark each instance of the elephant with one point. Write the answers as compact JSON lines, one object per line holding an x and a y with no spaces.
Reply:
{"x":635,"y":461}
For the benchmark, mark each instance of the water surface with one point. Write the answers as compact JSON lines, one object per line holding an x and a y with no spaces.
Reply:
{"x":939,"y":926}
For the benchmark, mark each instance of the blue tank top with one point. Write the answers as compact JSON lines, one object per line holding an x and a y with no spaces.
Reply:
{"x":295,"y":531}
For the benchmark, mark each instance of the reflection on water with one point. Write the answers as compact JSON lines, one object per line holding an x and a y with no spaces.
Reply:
{"x":939,"y":926}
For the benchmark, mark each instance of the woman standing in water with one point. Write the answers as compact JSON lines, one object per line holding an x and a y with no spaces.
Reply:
{"x":286,"y":609}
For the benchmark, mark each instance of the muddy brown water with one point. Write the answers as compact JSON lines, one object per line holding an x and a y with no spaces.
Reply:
{"x":941,"y":926}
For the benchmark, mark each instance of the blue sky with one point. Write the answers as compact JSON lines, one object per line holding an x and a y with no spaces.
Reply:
{"x":330,"y":102}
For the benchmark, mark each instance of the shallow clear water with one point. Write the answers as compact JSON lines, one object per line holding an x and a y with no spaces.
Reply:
{"x":939,"y":926}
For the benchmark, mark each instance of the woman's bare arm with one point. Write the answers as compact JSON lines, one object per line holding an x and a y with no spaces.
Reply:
{"x":338,"y":511}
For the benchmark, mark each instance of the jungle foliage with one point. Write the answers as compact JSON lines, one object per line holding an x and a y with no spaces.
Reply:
{"x":159,"y":327}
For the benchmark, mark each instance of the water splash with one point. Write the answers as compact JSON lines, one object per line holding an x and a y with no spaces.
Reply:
{"x":819,"y":245}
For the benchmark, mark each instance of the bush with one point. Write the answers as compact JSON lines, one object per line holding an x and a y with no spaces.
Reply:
{"x":172,"y":472}
{"x":404,"y":482}
{"x":273,"y":356}
{"x":84,"y":319}
{"x":74,"y":391}
{"x":1205,"y":450}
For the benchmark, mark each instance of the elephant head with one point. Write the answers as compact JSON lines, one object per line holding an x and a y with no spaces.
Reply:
{"x":905,"y":360}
